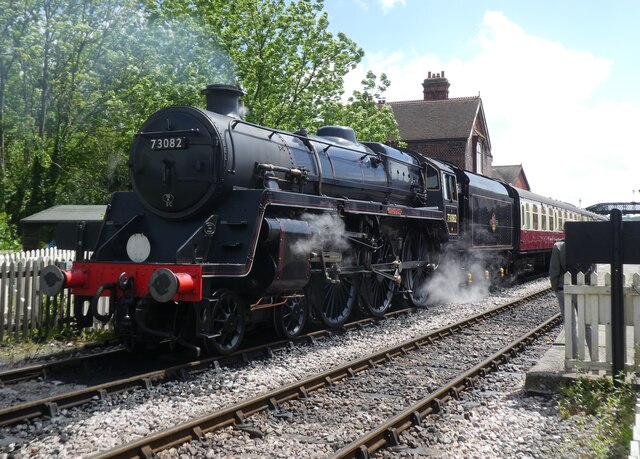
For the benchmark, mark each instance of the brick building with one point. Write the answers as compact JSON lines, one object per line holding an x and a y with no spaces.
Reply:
{"x":451,"y":129}
{"x":511,"y":174}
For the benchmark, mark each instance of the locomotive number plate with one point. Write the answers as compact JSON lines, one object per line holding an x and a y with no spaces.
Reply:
{"x":169,"y":143}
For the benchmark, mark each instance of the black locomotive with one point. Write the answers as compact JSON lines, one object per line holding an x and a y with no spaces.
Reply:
{"x":231,"y":225}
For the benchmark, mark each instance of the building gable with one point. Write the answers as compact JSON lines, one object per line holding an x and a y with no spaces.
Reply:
{"x":449,"y":129}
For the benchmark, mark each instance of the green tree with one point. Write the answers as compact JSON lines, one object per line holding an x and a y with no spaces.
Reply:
{"x":76,"y":81}
{"x":372,"y":120}
{"x":15,"y":18}
{"x":78,"y":78}
{"x":287,"y":61}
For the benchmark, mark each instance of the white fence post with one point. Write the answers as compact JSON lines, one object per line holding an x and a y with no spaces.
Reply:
{"x":594,"y":311}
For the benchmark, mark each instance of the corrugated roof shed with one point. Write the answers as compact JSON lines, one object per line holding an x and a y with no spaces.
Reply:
{"x":67,"y":213}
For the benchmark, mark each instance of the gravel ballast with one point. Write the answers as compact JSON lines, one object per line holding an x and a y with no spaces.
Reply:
{"x":501,"y":421}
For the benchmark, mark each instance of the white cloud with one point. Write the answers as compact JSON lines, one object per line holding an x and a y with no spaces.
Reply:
{"x":362,"y":4}
{"x":538,"y":99}
{"x":388,"y":5}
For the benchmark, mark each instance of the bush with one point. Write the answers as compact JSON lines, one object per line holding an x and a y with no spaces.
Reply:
{"x":612,"y":409}
{"x":8,"y":237}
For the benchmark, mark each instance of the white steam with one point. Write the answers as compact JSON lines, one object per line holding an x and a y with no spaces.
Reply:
{"x":328,"y":234}
{"x":450,"y":282}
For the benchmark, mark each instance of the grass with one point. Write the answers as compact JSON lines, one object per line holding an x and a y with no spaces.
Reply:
{"x":63,"y":338}
{"x":610,"y":408}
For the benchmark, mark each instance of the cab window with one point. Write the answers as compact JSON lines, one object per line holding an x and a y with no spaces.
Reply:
{"x":449,"y":187}
{"x":452,"y":185}
{"x":432,"y":178}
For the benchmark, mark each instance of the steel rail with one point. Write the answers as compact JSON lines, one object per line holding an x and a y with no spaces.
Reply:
{"x":42,"y":370}
{"x":388,"y":433}
{"x":195,"y":429}
{"x":50,"y":406}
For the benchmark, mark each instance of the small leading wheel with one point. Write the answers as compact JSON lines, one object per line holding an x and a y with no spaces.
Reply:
{"x":223,"y":322}
{"x":290,"y":318}
{"x":415,"y":281}
{"x":378,"y":291}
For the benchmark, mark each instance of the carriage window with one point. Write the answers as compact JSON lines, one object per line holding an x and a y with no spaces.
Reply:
{"x":535,"y":217}
{"x":528,"y":216}
{"x":544,"y":218}
{"x":432,"y":178}
{"x":552,"y":219}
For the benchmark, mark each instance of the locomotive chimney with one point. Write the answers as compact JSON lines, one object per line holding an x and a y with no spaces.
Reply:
{"x":436,"y":87}
{"x":223,"y":99}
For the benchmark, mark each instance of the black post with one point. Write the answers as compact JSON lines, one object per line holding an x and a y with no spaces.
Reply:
{"x":80,"y":236}
{"x":617,"y":297}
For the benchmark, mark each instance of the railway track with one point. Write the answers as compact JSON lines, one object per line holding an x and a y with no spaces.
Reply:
{"x":44,"y":370}
{"x":443,"y":380}
{"x":52,"y":405}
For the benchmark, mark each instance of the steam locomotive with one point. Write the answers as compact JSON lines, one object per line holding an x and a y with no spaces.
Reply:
{"x":231,"y":225}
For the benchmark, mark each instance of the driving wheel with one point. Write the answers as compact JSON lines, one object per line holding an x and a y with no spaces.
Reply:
{"x":377,"y":290}
{"x":415,"y":281}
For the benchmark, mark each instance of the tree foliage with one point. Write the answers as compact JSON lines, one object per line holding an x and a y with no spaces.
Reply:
{"x":371,"y":119}
{"x":77,"y":79}
{"x":286,"y":60}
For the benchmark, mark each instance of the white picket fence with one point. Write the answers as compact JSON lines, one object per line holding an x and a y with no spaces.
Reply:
{"x":51,"y":253}
{"x":594,"y":308}
{"x":23,"y":307}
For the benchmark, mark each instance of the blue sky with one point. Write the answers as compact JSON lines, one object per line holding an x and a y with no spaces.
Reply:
{"x":559,"y":80}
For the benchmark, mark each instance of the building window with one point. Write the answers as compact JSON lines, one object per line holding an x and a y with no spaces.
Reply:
{"x":479,"y":157}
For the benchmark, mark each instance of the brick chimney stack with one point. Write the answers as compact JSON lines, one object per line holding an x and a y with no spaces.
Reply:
{"x":436,"y":87}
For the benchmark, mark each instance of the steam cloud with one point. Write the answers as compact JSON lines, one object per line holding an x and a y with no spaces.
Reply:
{"x":448,"y":283}
{"x":328,"y":233}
